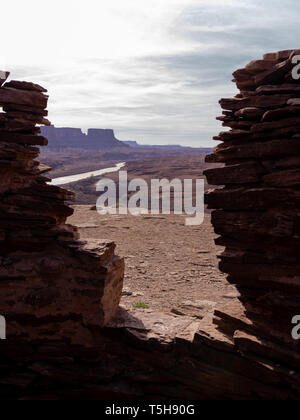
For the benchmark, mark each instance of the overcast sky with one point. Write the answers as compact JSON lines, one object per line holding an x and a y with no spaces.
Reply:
{"x":153,"y":70}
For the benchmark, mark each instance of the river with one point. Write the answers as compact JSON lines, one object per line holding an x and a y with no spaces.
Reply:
{"x":75,"y":178}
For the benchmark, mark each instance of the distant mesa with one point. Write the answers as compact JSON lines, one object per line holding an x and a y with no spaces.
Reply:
{"x":61,"y":138}
{"x":95,"y":139}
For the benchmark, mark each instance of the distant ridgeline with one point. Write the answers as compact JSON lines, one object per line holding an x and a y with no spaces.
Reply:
{"x":95,"y":139}
{"x":175,"y":147}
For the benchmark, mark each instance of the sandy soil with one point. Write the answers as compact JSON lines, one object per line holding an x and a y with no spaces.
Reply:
{"x":169,"y":266}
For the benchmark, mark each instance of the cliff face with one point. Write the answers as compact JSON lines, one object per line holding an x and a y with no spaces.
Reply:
{"x":96,"y":139}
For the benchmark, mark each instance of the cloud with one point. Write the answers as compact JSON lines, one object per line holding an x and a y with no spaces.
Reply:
{"x":154,"y":71}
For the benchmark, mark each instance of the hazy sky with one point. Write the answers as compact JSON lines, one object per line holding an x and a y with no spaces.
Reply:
{"x":153,"y":70}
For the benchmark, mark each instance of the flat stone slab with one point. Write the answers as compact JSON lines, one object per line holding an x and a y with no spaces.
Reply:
{"x":148,"y":325}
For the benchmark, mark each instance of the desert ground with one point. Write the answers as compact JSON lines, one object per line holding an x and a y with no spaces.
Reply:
{"x":170,"y":267}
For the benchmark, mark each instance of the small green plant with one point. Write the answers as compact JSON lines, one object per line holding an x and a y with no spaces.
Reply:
{"x":102,"y":223}
{"x":146,"y":218}
{"x":141,"y":305}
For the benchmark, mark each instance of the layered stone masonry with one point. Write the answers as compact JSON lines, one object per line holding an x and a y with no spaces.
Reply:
{"x":51,"y":284}
{"x":258,"y":210}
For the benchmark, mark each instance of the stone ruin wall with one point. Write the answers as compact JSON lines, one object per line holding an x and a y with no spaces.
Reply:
{"x":65,"y":338}
{"x":51,"y":283}
{"x":258,"y":212}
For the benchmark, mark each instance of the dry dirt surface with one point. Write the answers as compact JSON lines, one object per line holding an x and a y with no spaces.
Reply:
{"x":170,"y":267}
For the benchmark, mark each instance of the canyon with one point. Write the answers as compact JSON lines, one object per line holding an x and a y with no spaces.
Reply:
{"x":67,"y":336}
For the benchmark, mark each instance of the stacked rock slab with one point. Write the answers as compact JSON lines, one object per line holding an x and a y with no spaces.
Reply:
{"x":51,"y":284}
{"x":258,"y":211}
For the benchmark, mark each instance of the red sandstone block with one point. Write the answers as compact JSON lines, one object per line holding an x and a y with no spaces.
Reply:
{"x":25,"y":86}
{"x":37,"y":111}
{"x":252,"y":199}
{"x":237,"y":174}
{"x":288,"y":178}
{"x":275,"y":125}
{"x":22,"y":97}
{"x":228,"y":153}
{"x":261,"y":101}
{"x":23,"y":139}
{"x":276,"y":114}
